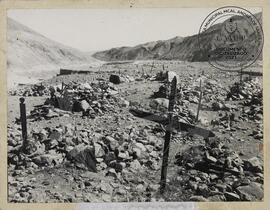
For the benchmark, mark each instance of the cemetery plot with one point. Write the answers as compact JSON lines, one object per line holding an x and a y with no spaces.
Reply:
{"x":156,"y":131}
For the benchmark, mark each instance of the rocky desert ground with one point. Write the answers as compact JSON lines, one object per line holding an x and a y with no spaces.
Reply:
{"x":90,"y":137}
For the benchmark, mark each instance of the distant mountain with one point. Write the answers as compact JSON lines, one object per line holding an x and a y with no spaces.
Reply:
{"x":150,"y":50}
{"x":29,"y":51}
{"x":178,"y":48}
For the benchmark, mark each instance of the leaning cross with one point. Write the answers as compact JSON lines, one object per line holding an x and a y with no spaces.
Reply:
{"x":168,"y":137}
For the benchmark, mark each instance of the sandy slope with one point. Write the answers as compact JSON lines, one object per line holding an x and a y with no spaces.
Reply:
{"x":30,"y":54}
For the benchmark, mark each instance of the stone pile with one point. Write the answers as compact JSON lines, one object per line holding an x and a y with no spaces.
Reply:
{"x":185,"y":114}
{"x":166,"y":76}
{"x":213,"y":172}
{"x":126,"y":150}
{"x":46,"y":112}
{"x":250,"y":92}
{"x":161,"y":76}
{"x":253,"y":108}
{"x":250,"y":89}
{"x":117,"y":79}
{"x":182,"y":103}
{"x":32,"y":90}
{"x":163,"y":92}
{"x":250,"y":106}
{"x":90,"y":99}
{"x":106,"y":162}
{"x":182,"y":110}
{"x":211,"y":91}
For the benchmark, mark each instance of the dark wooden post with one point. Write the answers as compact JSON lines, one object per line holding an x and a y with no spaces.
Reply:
{"x":241,"y":72}
{"x":200,"y":101}
{"x":167,"y":137}
{"x":23,"y":122}
{"x":152,"y":67}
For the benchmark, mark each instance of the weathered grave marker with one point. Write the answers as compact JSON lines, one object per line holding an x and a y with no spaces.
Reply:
{"x":241,"y":75}
{"x":152,"y":67}
{"x":250,"y":77}
{"x":23,"y":122}
{"x":200,"y":101}
{"x":168,"y":137}
{"x":203,"y":72}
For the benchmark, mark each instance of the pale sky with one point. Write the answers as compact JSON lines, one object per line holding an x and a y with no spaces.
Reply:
{"x":101,"y":29}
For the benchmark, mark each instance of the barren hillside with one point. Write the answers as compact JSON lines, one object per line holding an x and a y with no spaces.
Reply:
{"x":178,"y":48}
{"x":30,"y":53}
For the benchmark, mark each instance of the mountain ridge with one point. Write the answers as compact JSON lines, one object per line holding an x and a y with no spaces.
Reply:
{"x":29,"y":50}
{"x":181,"y":48}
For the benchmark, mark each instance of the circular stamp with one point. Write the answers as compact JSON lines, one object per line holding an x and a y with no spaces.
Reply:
{"x":230,"y":38}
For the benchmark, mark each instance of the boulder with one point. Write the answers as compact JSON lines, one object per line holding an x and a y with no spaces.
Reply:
{"x":105,"y":187}
{"x":43,"y":134}
{"x":140,"y":146}
{"x":109,"y":157}
{"x":84,"y":105}
{"x":232,"y":196}
{"x":149,"y":148}
{"x":115,"y":79}
{"x":55,"y":135}
{"x":210,"y":158}
{"x":140,"y":188}
{"x":217,"y":198}
{"x":136,"y":152}
{"x":198,"y":198}
{"x":161,"y":93}
{"x":125,"y":103}
{"x":112,"y":92}
{"x":111,"y":142}
{"x":131,"y":79}
{"x":51,"y":114}
{"x":254,"y":165}
{"x":85,"y":86}
{"x":153,"y":154}
{"x":99,"y":152}
{"x":111,"y":172}
{"x":217,"y":106}
{"x":123,"y":155}
{"x":251,"y":192}
{"x":69,"y":129}
{"x":116,"y":165}
{"x":33,"y":147}
{"x":48,"y":159}
{"x":84,"y":155}
{"x":170,"y":75}
{"x":65,"y":101}
{"x":135,"y":165}
{"x":203,"y":190}
{"x":159,"y":103}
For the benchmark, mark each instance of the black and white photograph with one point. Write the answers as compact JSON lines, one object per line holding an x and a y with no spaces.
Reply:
{"x":135,"y":105}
